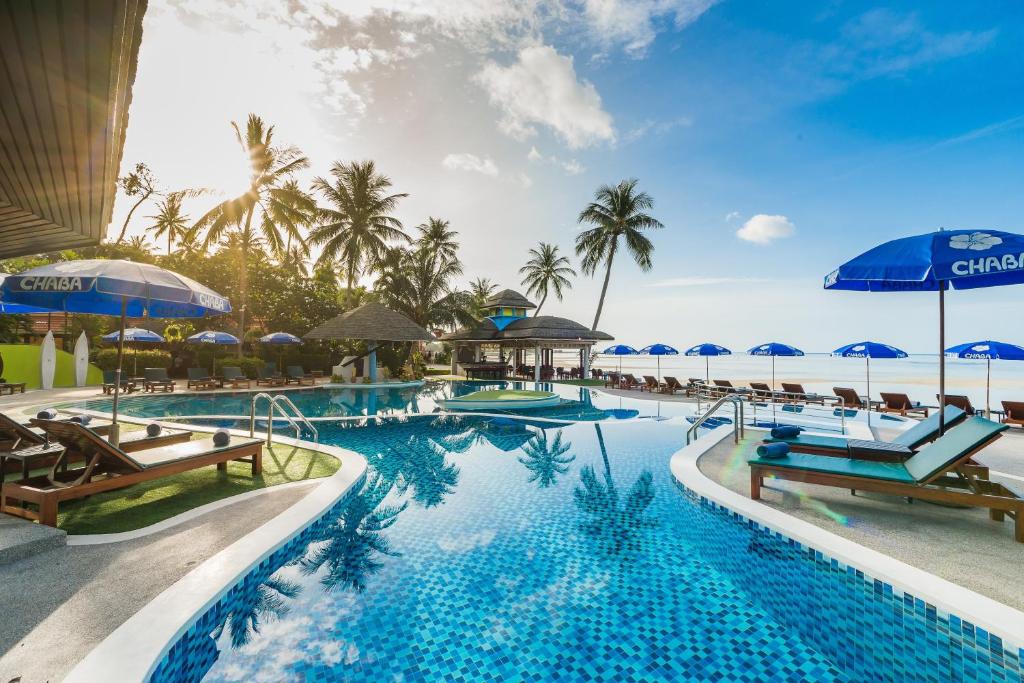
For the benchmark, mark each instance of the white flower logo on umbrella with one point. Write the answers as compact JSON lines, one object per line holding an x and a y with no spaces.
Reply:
{"x":859,"y":347}
{"x":976,"y":241}
{"x":980,"y":347}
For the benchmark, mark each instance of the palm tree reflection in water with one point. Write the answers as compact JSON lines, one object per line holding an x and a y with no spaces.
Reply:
{"x":544,"y":460}
{"x":267,"y":602}
{"x":614,"y":523}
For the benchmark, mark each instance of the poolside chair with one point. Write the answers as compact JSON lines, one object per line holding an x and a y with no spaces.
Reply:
{"x":851,"y":399}
{"x":199,"y":378}
{"x":723,"y":386}
{"x":130,"y":441}
{"x":1013,"y":413}
{"x":12,"y":387}
{"x":233,"y":375}
{"x":296,"y":375}
{"x":795,"y":392}
{"x":631,"y":382}
{"x":109,"y":467}
{"x":901,"y":403}
{"x":940,"y":472}
{"x":156,"y":378}
{"x":961,"y":402}
{"x":652,"y":384}
{"x":613,"y":380}
{"x":761,"y":391}
{"x":897,"y":450}
{"x":672,"y":385}
{"x":269,"y":378}
{"x":127,"y":385}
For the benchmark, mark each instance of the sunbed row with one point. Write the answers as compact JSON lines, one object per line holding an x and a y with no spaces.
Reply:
{"x":157,"y":379}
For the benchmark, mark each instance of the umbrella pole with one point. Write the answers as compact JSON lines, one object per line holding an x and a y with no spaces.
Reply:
{"x":114,"y":429}
{"x":988,"y":387}
{"x":772,"y":397}
{"x":867,"y":364}
{"x":942,"y":357}
{"x":707,"y":369}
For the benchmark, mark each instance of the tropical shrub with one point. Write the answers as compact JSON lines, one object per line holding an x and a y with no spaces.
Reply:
{"x":248,"y":364}
{"x":106,"y":359}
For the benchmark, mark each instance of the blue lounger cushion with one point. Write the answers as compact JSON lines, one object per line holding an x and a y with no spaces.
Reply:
{"x":772,"y":451}
{"x":786,"y":431}
{"x":47,"y":414}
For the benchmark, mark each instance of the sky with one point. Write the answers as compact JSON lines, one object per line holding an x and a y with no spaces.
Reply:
{"x":778,"y":140}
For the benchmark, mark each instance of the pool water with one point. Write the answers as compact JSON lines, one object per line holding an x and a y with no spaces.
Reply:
{"x":501,"y":549}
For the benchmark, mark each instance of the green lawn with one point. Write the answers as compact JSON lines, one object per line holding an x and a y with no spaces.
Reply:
{"x":504,"y":395}
{"x":150,"y":502}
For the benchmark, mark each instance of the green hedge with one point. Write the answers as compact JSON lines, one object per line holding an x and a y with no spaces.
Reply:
{"x":249,"y":364}
{"x":106,"y":359}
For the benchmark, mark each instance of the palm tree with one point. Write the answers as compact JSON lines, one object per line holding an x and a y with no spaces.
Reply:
{"x":169,"y":219}
{"x":546,"y":461}
{"x":546,"y":271}
{"x":437,"y":236}
{"x":480,"y":290}
{"x":266,"y":209}
{"x":268,"y":602}
{"x":617,"y":212}
{"x":358,"y":227}
{"x":138,"y":183}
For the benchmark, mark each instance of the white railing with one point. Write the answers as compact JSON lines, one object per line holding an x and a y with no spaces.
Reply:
{"x":277,"y":401}
{"x":737,"y":422}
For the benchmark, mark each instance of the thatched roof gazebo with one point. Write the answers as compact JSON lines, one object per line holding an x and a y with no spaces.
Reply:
{"x":374,"y":323}
{"x":507,"y":326}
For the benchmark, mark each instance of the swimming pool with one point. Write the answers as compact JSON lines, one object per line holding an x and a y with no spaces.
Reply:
{"x":485,"y":548}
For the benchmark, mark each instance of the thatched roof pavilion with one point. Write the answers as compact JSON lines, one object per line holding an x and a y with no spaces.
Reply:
{"x":370,"y":322}
{"x":507,"y":326}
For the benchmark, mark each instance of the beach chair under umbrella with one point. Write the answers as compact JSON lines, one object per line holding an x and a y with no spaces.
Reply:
{"x":987,"y":351}
{"x":113,"y":287}
{"x":659,"y":350}
{"x":280,"y":339}
{"x":707,"y":350}
{"x":934,"y":262}
{"x":620,"y":350}
{"x":774,"y":349}
{"x":868,"y":350}
{"x":134,"y":335}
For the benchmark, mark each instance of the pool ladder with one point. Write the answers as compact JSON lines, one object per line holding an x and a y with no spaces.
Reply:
{"x":737,"y":421}
{"x":277,"y":401}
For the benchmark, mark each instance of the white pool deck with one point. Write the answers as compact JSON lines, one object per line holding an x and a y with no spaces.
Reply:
{"x":69,"y":590}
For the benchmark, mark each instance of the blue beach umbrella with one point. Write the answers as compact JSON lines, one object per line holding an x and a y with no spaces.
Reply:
{"x":988,"y":351}
{"x":659,"y":350}
{"x":113,"y":287}
{"x":134,"y":335}
{"x":280,"y":339}
{"x":212,"y":337}
{"x":9,"y":308}
{"x":774,"y":349}
{"x":934,"y":262}
{"x":620,"y":350}
{"x":707,"y":350}
{"x":868,"y":350}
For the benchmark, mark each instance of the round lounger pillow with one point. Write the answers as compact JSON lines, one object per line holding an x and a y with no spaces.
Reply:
{"x":153,"y":429}
{"x":221,"y":438}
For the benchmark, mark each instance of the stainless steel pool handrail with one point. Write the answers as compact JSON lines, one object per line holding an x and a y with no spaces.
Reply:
{"x":276,"y":401}
{"x":738,"y":431}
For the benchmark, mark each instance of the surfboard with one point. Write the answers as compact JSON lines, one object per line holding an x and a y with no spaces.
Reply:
{"x":81,"y":359}
{"x":48,"y":361}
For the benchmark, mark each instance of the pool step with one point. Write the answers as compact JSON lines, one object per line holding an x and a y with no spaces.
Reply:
{"x":20,"y":538}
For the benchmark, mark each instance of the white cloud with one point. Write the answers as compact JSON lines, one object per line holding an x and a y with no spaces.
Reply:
{"x":732,"y":215}
{"x":570,"y":166}
{"x":470,"y":162}
{"x":541,"y":88}
{"x":466,"y":542}
{"x":633,"y":24}
{"x":764,"y":229}
{"x":705,"y":281}
{"x":524,"y":180}
{"x":534,"y":155}
{"x":654,"y":127}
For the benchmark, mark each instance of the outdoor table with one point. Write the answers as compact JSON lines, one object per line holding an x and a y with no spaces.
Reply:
{"x":28,"y":456}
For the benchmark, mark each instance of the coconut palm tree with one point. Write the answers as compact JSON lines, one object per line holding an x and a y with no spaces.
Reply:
{"x":436,"y":234}
{"x":618,"y":214}
{"x":546,"y":460}
{"x":267,"y":602}
{"x":546,"y":271}
{"x":138,"y":183}
{"x":169,"y":220}
{"x":480,"y":290}
{"x":358,"y":226}
{"x":268,"y":211}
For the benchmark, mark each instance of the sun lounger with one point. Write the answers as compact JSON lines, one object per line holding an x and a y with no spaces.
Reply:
{"x":851,"y":399}
{"x":761,"y":391}
{"x":925,"y":475}
{"x":233,"y":376}
{"x":1013,"y":413}
{"x":724,"y":386}
{"x":961,"y":402}
{"x":897,"y":450}
{"x":156,"y":378}
{"x":268,"y":378}
{"x":613,"y":380}
{"x":199,"y":378}
{"x":672,"y":385}
{"x":631,"y":382}
{"x":901,"y":403}
{"x":795,"y":392}
{"x":296,"y":375}
{"x":652,"y":384}
{"x":12,"y":387}
{"x":127,"y":385}
{"x":108,"y":467}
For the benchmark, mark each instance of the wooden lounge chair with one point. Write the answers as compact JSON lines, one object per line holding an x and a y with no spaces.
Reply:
{"x":851,"y":399}
{"x":795,"y":392}
{"x":901,"y":403}
{"x":723,"y":386}
{"x":108,"y":467}
{"x":1013,"y":413}
{"x":233,"y":376}
{"x":12,"y":387}
{"x":199,"y":378}
{"x":269,"y":378}
{"x":652,"y":384}
{"x":156,"y":378}
{"x":631,"y":382}
{"x":296,"y":375}
{"x":613,"y":379}
{"x":127,"y":385}
{"x":761,"y":391}
{"x":672,"y":385}
{"x":940,"y":472}
{"x":899,"y":449}
{"x":961,"y":402}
